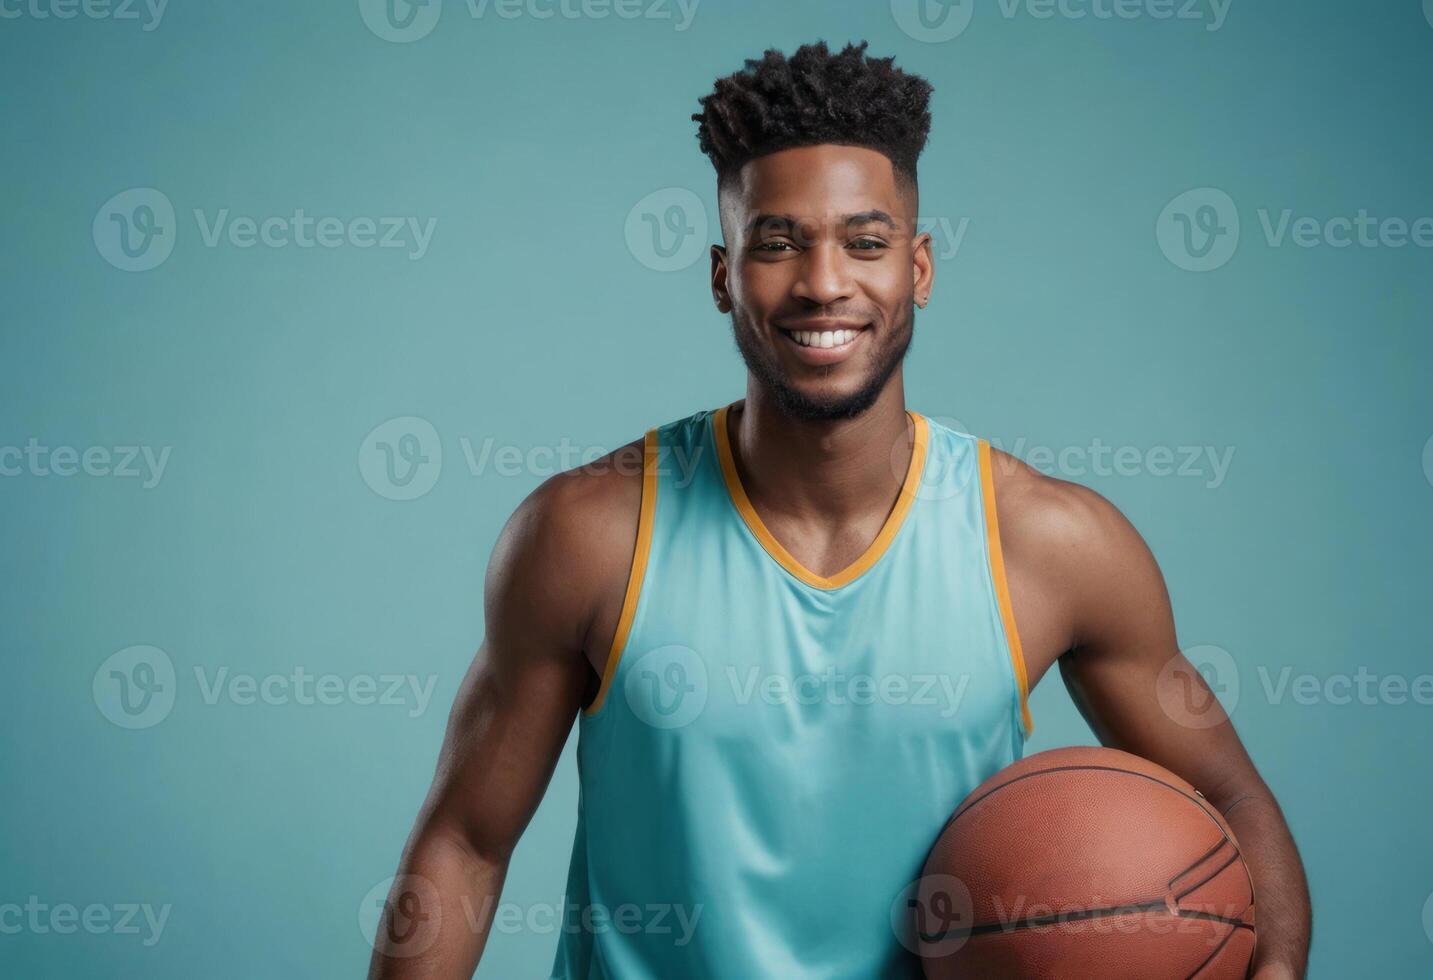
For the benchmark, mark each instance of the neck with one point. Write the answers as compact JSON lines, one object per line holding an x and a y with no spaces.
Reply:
{"x":824,"y":470}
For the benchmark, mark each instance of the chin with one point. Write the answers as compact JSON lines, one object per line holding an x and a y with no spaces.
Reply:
{"x":823,"y":403}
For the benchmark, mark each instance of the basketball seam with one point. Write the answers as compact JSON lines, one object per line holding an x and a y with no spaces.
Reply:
{"x":1036,"y":922}
{"x":1042,"y":772}
{"x":1214,"y":955}
{"x":1197,"y":801}
{"x":1207,"y":878}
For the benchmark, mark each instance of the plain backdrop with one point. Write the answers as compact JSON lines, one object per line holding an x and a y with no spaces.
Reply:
{"x":328,"y":435}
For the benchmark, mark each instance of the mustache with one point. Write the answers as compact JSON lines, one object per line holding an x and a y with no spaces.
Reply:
{"x":851,"y":319}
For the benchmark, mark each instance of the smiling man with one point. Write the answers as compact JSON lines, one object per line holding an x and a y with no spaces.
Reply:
{"x":798,"y":629}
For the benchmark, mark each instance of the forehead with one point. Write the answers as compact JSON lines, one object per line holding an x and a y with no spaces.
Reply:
{"x":813,"y":183}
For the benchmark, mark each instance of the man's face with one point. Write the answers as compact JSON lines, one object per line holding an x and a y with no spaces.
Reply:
{"x":820,"y":273}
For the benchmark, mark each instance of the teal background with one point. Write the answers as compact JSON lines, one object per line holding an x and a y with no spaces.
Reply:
{"x":530,"y":322}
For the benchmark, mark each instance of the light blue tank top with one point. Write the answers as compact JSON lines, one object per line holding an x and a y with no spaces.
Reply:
{"x":772,"y":753}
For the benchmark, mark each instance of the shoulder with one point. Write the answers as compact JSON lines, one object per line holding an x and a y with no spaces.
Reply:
{"x":569,"y":539}
{"x":1048,"y":513}
{"x":569,"y":508}
{"x":1074,"y":545}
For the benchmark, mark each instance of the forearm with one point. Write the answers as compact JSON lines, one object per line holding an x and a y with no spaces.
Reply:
{"x":1282,"y":913}
{"x":436,"y":919}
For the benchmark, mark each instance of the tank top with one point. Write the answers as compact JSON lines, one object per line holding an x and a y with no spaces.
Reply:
{"x":772,"y":753}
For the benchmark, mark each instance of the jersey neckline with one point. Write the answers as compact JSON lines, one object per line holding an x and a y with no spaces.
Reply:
{"x":737,"y":495}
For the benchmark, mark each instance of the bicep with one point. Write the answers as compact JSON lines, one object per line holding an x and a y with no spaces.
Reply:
{"x":517,"y":702}
{"x":1127,"y":675}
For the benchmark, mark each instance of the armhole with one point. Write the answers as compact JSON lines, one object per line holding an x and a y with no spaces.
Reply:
{"x":1002,"y":587}
{"x":638,"y":570}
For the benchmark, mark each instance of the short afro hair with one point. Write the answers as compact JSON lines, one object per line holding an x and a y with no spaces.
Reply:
{"x":815,"y":97}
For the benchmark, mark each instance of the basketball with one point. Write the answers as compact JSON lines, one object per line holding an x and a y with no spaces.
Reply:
{"x":1085,"y":862}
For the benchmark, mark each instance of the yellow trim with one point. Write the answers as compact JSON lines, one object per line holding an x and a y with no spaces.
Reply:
{"x":638,"y":570}
{"x":1002,"y":587}
{"x":773,"y":547}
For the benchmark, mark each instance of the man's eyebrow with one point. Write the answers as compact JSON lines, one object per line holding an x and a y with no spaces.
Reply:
{"x":771,"y":221}
{"x":787,"y":221}
{"x":873,"y":216}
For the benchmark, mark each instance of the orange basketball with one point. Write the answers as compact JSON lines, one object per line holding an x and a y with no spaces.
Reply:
{"x":1085,"y":862}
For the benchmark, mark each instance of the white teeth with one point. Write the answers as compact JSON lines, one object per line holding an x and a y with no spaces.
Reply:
{"x":824,"y":338}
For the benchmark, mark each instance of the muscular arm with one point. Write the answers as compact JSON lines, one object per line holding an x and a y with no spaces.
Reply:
{"x":1084,"y":567}
{"x":509,"y":722}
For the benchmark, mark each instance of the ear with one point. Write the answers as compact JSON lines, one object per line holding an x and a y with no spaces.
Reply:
{"x":720,"y":296}
{"x":922,"y":268}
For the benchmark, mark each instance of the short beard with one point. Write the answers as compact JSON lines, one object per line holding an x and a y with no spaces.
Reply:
{"x":763,"y":365}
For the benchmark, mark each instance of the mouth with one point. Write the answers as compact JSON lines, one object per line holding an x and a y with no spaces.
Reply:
{"x":824,"y":342}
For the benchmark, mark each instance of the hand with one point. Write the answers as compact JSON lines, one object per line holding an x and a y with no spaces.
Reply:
{"x":1273,"y":971}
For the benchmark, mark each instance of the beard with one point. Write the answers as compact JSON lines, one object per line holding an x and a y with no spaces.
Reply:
{"x":767,"y":369}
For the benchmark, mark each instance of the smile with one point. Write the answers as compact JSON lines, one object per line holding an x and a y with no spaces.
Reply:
{"x":823,"y":338}
{"x":824,"y":346}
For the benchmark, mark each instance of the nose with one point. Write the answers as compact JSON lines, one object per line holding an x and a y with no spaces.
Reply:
{"x":823,"y":279}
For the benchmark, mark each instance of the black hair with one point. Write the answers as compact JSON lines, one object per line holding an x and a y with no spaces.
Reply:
{"x":815,"y":97}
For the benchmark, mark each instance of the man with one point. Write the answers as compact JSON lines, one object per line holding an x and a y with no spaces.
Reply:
{"x":727,"y":601}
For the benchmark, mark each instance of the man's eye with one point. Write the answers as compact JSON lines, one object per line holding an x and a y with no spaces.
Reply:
{"x":867,"y":244}
{"x":770,"y":246}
